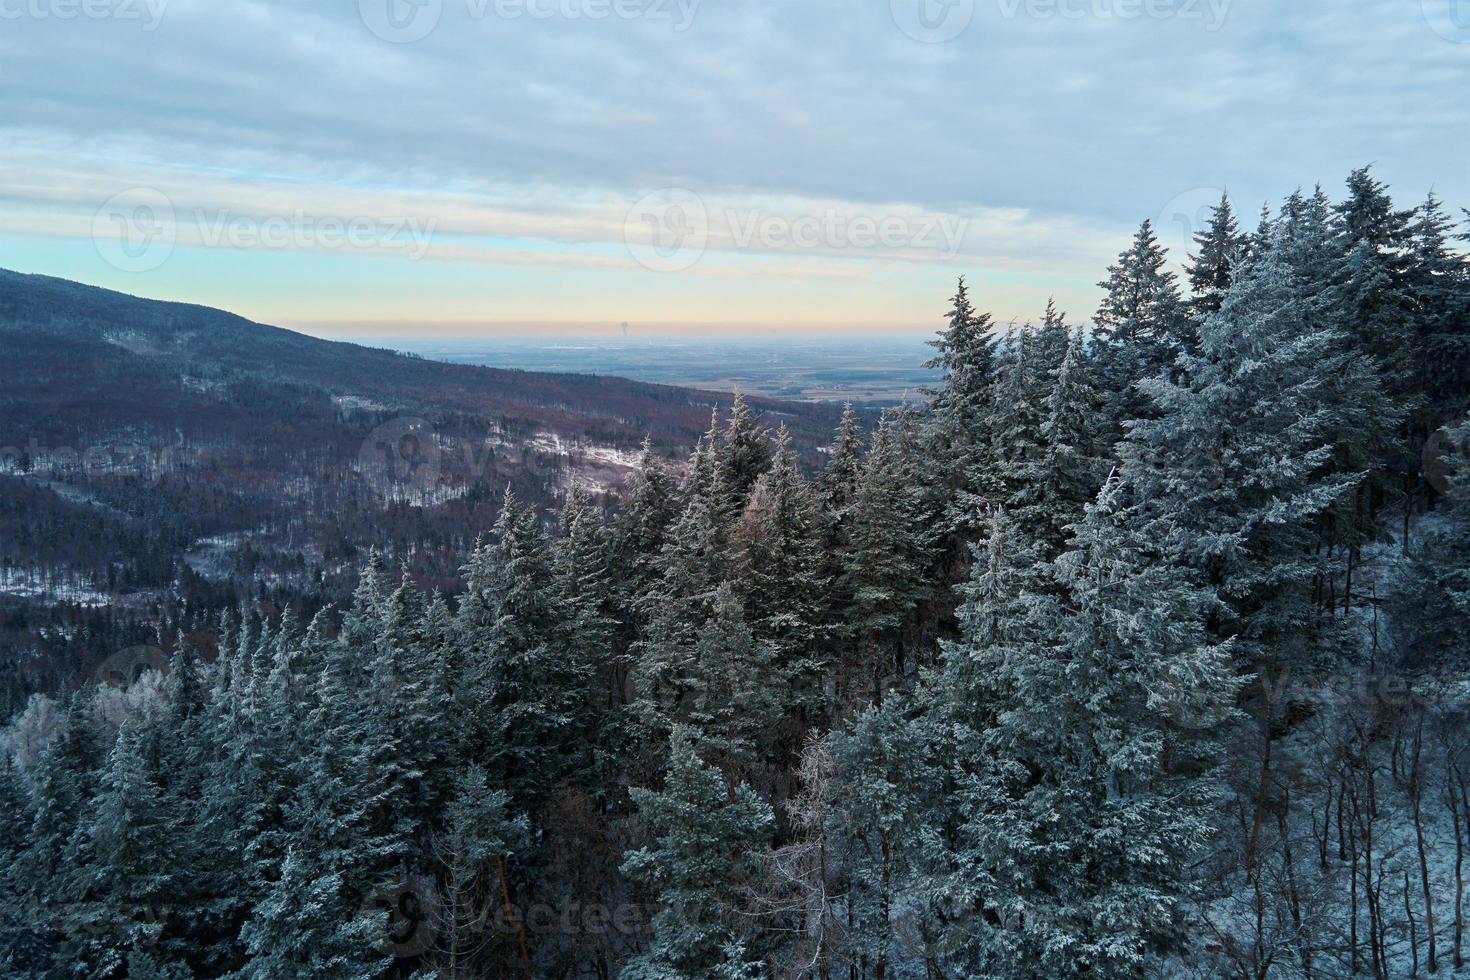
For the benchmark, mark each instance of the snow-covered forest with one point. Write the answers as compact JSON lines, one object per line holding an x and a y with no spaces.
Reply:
{"x":1140,"y":649}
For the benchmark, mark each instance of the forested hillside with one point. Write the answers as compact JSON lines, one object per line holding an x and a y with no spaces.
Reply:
{"x":160,"y":461}
{"x":1141,"y":651}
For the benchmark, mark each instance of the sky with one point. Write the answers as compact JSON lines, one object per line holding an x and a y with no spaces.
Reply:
{"x":688,"y":167}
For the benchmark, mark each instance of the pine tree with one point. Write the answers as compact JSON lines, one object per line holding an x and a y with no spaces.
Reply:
{"x":703,"y":832}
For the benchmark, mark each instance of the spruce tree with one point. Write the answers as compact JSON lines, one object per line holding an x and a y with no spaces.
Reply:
{"x":962,"y":441}
{"x":525,"y":689}
{"x":744,"y":452}
{"x":782,"y":568}
{"x":1232,"y":474}
{"x":305,"y":927}
{"x":1140,"y":328}
{"x":887,"y":569}
{"x":1072,"y":827}
{"x":703,"y":832}
{"x":1220,"y":247}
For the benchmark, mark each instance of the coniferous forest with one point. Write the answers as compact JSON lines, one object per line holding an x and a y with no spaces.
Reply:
{"x":1140,"y":647}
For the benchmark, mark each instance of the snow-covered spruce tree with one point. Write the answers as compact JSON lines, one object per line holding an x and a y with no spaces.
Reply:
{"x":1231,"y":475}
{"x":887,"y":570}
{"x":744,"y":452}
{"x":735,"y":694}
{"x":1364,"y":420}
{"x":703,"y":832}
{"x":1069,"y":473}
{"x":696,"y":561}
{"x":961,"y":434}
{"x":22,"y":951}
{"x":126,"y":885}
{"x":1072,"y":816}
{"x":838,"y":481}
{"x":1439,"y":283}
{"x":1140,"y":328}
{"x":779,"y":538}
{"x":586,"y":594}
{"x":1219,"y":248}
{"x":523,"y":689}
{"x":62,"y":788}
{"x":836,"y":488}
{"x":1016,"y":417}
{"x":248,"y":769}
{"x":478,"y":834}
{"x":649,"y":508}
{"x":1051,"y":339}
{"x":1374,"y":287}
{"x":303,"y":928}
{"x":885,"y":802}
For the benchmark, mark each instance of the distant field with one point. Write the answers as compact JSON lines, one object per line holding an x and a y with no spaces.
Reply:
{"x":876,"y":371}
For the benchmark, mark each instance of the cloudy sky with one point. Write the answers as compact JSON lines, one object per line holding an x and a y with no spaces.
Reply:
{"x":396,"y":167}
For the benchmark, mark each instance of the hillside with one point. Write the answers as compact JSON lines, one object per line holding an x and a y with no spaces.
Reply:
{"x":141,"y":440}
{"x":80,"y":355}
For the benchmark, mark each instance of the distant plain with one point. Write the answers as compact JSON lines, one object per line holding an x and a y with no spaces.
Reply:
{"x":876,"y":371}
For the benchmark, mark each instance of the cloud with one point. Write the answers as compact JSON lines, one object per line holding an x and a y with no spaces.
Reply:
{"x":526,"y":129}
